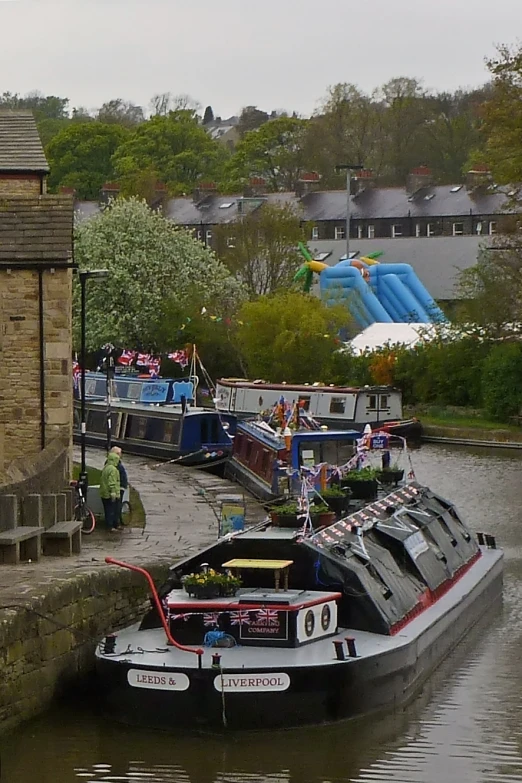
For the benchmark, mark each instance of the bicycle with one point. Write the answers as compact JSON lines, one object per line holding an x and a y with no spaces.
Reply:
{"x":82,"y":512}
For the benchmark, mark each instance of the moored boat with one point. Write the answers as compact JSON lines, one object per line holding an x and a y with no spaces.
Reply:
{"x":334,"y":406}
{"x":275,"y":626}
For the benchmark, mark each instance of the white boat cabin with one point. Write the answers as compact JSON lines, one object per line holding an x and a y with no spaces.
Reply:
{"x":332,"y":405}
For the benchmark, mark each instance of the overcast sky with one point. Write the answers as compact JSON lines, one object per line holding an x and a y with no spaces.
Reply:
{"x":230,"y":53}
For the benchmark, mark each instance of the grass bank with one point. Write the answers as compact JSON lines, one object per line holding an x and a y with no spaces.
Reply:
{"x":136,"y":518}
{"x":463,"y":423}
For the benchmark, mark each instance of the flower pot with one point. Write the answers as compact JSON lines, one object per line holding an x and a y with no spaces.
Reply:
{"x":324,"y":519}
{"x":227,"y":591}
{"x":390,"y":476}
{"x":362,"y":489}
{"x":203,"y":592}
{"x":338,"y":504}
{"x":286,"y":520}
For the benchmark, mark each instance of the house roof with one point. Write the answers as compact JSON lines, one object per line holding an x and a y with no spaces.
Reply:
{"x":217,"y":209}
{"x":20,"y":145}
{"x":436,"y":261}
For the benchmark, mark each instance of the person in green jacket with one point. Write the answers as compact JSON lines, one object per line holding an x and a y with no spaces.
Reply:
{"x":110,"y":491}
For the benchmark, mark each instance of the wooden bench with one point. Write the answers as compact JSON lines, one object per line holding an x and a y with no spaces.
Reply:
{"x":63,"y":538}
{"x":20,"y":544}
{"x":277,"y":566}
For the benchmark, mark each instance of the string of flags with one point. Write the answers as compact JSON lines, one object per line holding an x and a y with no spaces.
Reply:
{"x":152,"y":362}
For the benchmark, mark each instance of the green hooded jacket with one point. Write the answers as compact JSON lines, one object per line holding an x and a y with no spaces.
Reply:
{"x":110,"y":478}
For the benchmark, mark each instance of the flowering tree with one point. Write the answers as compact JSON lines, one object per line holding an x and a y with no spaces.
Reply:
{"x":153,"y":266}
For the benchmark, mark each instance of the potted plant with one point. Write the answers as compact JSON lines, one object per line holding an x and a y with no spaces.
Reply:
{"x":336,"y":498}
{"x":321,"y":515}
{"x":391,"y":475}
{"x":204,"y":584}
{"x":362,"y":483}
{"x":286,"y":515}
{"x":228,"y":584}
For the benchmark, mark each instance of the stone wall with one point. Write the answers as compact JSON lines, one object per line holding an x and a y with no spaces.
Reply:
{"x":41,"y":658}
{"x":46,"y":472}
{"x":21,"y":185}
{"x":35,"y":239}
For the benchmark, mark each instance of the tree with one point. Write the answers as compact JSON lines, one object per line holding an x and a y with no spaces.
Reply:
{"x":175,"y":146}
{"x":289,"y":337}
{"x":153,"y":268}
{"x":250,"y":119}
{"x":261,"y":249}
{"x":275,"y":152}
{"x":121,"y":112}
{"x":208,"y":117}
{"x":80,"y":156}
{"x":44,"y":107}
{"x":502,"y":114}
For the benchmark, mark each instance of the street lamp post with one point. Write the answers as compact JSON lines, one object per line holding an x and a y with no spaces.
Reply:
{"x":348,"y":167}
{"x":96,"y":274}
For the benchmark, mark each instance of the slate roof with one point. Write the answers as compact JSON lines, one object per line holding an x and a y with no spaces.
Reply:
{"x":36,"y":229}
{"x":20,"y":145}
{"x":217,"y":209}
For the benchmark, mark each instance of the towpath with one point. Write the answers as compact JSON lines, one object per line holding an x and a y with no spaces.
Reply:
{"x":181,"y":505}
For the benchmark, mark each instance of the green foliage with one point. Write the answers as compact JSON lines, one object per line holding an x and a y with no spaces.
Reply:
{"x":490,"y":292}
{"x":80,"y":156}
{"x":502,"y":391}
{"x":174,"y":146}
{"x":288,"y":337}
{"x":275,"y":151}
{"x":261,"y":250}
{"x":152,"y":266}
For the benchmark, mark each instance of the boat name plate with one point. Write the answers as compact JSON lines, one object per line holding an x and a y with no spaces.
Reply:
{"x":155,"y":680}
{"x":241,"y":683}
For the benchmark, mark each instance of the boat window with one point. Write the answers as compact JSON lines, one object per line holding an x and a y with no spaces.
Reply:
{"x":156,"y":430}
{"x":304,"y":403}
{"x":97,"y":421}
{"x":337,"y":404}
{"x":337,"y":452}
{"x":248,"y":452}
{"x":204,"y":429}
{"x":136,"y":427}
{"x":384,"y":401}
{"x":372,"y":402}
{"x":265,"y":463}
{"x":171,"y":431}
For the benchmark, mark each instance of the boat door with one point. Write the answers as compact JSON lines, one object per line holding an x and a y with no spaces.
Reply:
{"x":383,"y":407}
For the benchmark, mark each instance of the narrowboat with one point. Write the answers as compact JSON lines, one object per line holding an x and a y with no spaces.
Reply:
{"x":155,"y":418}
{"x":268,"y":463}
{"x":274,"y":627}
{"x":333,"y":406}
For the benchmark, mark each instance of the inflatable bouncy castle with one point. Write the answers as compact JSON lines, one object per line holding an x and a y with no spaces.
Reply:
{"x":372,"y":292}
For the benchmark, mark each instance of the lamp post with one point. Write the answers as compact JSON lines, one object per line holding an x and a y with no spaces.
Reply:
{"x":348,"y":167}
{"x":95,"y":274}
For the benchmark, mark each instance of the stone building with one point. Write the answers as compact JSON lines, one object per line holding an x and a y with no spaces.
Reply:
{"x":35,"y":313}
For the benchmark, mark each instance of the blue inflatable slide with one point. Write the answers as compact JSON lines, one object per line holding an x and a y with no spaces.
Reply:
{"x":383,"y":293}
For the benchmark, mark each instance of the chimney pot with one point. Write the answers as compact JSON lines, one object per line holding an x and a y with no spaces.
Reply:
{"x":419,"y":177}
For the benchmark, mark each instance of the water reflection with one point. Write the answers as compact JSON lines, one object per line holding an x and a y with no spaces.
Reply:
{"x":465,"y":725}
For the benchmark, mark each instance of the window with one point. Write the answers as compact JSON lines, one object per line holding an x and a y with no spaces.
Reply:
{"x":339,"y":232}
{"x":455,"y":189}
{"x":359,"y":232}
{"x":231,"y":241}
{"x":430,"y":230}
{"x":492,"y":228}
{"x":384,"y":401}
{"x":315,"y":232}
{"x":208,"y":237}
{"x":199,"y":234}
{"x":479,"y":228}
{"x":417,"y":229}
{"x":304,"y":403}
{"x":371,"y":232}
{"x":226,"y":205}
{"x":372,"y":402}
{"x":397,"y":230}
{"x":458,"y":229}
{"x":337,"y":404}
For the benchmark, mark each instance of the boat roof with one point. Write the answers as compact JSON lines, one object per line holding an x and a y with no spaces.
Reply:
{"x":140,"y":407}
{"x":264,"y":433}
{"x":304,"y":388}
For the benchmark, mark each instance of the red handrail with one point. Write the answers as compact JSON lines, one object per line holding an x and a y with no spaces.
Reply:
{"x":111,"y":561}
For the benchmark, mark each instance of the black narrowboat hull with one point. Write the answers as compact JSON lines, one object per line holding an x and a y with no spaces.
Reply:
{"x":386,"y":677}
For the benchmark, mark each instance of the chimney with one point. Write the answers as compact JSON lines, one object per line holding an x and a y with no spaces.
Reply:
{"x":478,"y":176}
{"x":364,"y":180}
{"x":256,"y":187}
{"x":418,"y":178}
{"x":307,"y":182}
{"x":202,"y":190}
{"x":109,"y":190}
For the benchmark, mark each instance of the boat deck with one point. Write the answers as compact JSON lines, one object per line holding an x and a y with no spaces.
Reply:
{"x":148,"y":648}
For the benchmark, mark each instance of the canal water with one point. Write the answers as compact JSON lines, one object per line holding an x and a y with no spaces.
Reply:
{"x":466,"y":725}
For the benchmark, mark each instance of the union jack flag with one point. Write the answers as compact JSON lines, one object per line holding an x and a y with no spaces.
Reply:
{"x":267,"y":617}
{"x":210,"y":618}
{"x":143,"y":359}
{"x":76,"y":370}
{"x":240,"y":618}
{"x":154,"y":367}
{"x":180,"y":357}
{"x":126,"y":358}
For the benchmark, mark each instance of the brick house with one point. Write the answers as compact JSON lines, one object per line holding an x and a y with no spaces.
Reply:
{"x":35,"y":308}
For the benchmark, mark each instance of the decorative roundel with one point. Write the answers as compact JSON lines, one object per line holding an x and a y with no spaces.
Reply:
{"x":309,"y":622}
{"x":326,"y":616}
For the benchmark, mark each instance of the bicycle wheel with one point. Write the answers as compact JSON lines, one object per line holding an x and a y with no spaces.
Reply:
{"x":83,"y":514}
